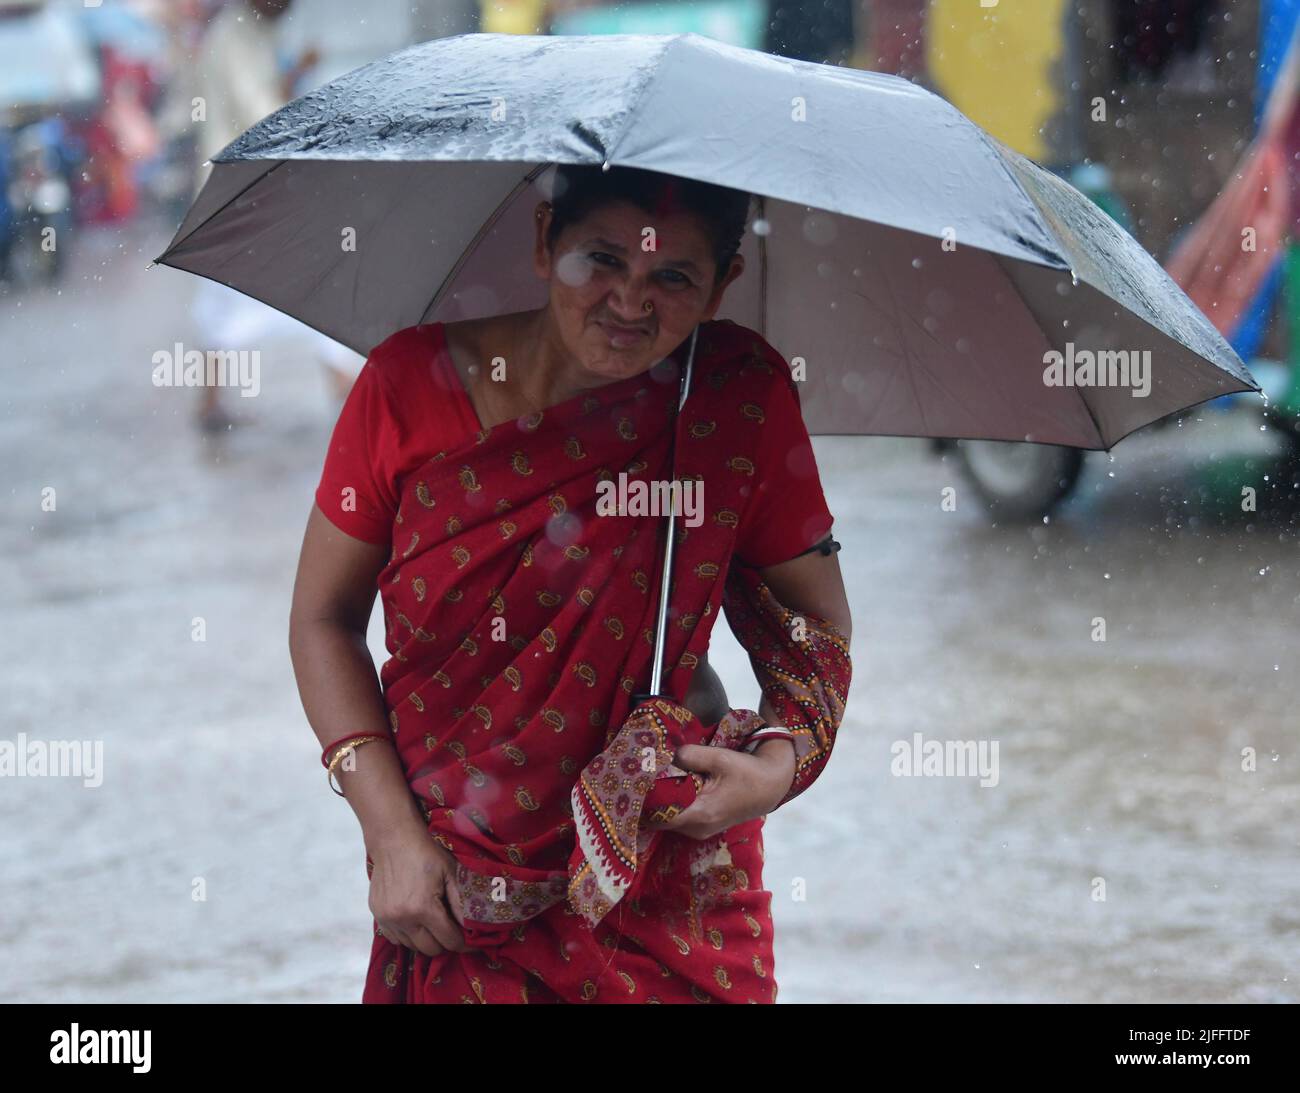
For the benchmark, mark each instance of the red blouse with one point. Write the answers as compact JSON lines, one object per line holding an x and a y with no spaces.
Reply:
{"x":408,"y":404}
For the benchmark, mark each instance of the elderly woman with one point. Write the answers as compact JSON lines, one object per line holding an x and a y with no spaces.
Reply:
{"x":538,"y":828}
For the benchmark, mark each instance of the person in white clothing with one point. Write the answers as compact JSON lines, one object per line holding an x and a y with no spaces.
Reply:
{"x":237,"y":81}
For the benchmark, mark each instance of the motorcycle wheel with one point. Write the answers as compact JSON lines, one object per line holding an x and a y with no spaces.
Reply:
{"x":1019,"y":481}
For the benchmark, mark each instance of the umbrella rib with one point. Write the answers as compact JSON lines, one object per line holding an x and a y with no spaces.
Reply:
{"x":1096,"y":425}
{"x":762,"y":270}
{"x":902,"y":339}
{"x":478,"y":237}
{"x":994,"y":146}
{"x":907,"y":356}
{"x":1001,"y":261}
{"x":641,"y":94}
{"x":218,"y":211}
{"x":881,"y":314}
{"x":935,"y":377}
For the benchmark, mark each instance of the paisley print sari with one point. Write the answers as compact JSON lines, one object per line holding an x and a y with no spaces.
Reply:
{"x":520,"y":625}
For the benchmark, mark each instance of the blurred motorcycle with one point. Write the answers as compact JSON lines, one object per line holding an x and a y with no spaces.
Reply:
{"x":48,"y":73}
{"x":38,"y":200}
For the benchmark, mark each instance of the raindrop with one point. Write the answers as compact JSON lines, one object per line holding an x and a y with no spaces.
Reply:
{"x":573,"y":269}
{"x":761,"y":227}
{"x":939,"y":301}
{"x":852,"y":383}
{"x":819,"y":229}
{"x":917,"y":263}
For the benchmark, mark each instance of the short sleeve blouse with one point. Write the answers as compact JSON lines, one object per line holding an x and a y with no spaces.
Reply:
{"x":408,"y":403}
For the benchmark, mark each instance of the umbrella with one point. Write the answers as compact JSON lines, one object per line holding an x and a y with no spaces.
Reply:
{"x":920,"y":269}
{"x":923,"y":278}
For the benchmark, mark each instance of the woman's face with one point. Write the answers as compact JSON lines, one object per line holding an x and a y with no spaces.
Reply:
{"x":602,"y":273}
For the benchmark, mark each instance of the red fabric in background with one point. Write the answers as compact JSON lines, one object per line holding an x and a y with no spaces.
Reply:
{"x":408,"y":403}
{"x":896,"y":37}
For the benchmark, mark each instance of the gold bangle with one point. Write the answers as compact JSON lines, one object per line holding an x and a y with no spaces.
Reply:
{"x":348,"y":741}
{"x":347,"y":745}
{"x":344,"y":750}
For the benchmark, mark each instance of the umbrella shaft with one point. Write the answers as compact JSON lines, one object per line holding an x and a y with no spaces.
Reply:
{"x":661,"y":625}
{"x":670,"y":538}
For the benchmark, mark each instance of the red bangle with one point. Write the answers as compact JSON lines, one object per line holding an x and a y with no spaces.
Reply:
{"x":325,"y":755}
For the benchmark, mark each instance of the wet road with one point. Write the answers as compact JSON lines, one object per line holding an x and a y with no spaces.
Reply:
{"x":1120,"y":762}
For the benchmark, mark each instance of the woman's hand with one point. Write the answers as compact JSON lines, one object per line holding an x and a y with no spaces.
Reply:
{"x":738,"y":786}
{"x":411,"y":878}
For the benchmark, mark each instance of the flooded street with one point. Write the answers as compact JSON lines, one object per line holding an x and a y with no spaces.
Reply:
{"x":1120,"y":762}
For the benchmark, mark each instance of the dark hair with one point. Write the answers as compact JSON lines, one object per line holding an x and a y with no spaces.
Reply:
{"x":580,"y":190}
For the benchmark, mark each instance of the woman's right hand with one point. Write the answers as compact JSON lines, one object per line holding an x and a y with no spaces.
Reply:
{"x":412,"y":877}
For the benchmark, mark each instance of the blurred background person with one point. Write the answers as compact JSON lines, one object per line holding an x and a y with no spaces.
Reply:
{"x":237,"y":80}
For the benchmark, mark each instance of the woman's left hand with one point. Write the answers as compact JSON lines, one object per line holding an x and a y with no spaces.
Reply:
{"x":738,"y":786}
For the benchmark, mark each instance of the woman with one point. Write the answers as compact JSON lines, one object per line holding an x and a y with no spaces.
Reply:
{"x":588,"y":842}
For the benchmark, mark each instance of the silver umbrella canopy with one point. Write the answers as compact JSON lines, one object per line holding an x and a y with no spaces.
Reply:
{"x":917,"y":272}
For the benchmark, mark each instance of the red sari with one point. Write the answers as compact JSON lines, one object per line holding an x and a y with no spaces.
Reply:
{"x":520,"y":624}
